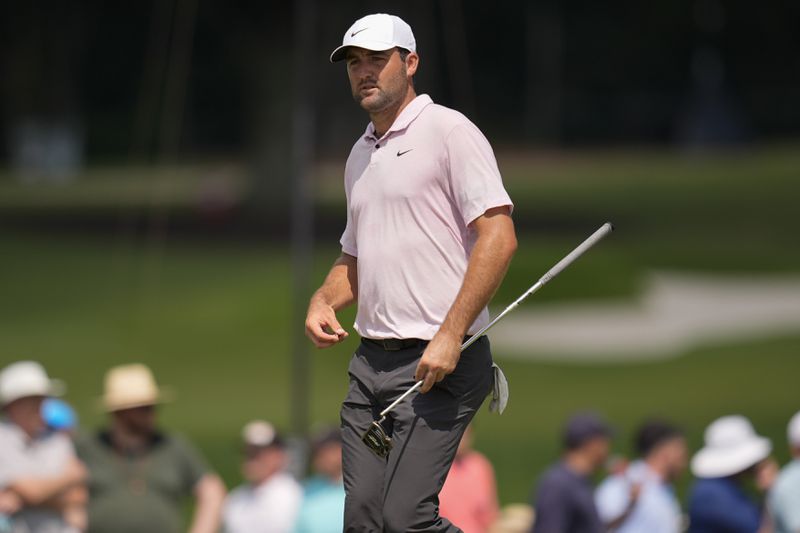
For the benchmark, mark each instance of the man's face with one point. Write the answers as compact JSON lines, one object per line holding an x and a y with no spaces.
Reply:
{"x":598,"y":449}
{"x":139,"y":420}
{"x":676,"y":455}
{"x":261,"y":463}
{"x":27,"y":414}
{"x":328,"y":460}
{"x":380,"y":79}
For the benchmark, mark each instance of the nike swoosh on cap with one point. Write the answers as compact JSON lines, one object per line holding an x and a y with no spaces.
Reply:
{"x":399,"y":153}
{"x":353,"y":34}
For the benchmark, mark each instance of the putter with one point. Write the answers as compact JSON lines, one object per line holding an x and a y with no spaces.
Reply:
{"x":376,"y":437}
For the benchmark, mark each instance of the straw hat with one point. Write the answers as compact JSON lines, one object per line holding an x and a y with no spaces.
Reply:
{"x":129,"y":386}
{"x":732,"y":446}
{"x":27,"y":378}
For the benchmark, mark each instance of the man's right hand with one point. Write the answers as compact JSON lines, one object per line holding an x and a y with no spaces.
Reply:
{"x":321,"y":325}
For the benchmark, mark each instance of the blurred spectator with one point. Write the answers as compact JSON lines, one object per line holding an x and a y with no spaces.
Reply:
{"x":565,"y":498}
{"x":41,"y":480}
{"x":270,"y":500}
{"x":784,"y":500}
{"x":641,"y":498}
{"x":140,"y":475}
{"x":58,"y":415}
{"x":513,"y":518}
{"x":322,"y":510}
{"x":469,"y":495}
{"x":732,"y":453}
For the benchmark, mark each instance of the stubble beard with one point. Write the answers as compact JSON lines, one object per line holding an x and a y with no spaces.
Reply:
{"x":385,"y":98}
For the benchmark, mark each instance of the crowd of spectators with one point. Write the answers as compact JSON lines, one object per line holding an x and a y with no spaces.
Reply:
{"x":133,"y":476}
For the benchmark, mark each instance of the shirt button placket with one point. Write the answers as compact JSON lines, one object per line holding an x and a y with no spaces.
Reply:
{"x":373,"y":158}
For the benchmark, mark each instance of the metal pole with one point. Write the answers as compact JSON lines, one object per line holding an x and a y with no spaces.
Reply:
{"x":302,"y":208}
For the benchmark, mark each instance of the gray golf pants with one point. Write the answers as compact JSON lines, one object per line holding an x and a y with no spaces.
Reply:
{"x":401,"y":493}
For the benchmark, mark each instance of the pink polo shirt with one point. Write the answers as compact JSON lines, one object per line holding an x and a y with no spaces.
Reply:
{"x":411,"y":196}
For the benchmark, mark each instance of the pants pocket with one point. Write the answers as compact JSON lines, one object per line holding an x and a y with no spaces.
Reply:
{"x":473,"y":374}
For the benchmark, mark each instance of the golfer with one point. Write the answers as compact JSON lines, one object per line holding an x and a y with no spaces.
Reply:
{"x":427,"y":242}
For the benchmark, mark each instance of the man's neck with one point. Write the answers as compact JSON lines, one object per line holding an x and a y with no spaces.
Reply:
{"x":383,"y":120}
{"x":127,"y":441}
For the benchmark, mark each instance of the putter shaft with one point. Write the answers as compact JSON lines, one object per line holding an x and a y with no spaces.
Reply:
{"x":593,"y":239}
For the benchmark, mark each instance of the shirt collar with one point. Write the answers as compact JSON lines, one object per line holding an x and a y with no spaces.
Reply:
{"x":406,"y":116}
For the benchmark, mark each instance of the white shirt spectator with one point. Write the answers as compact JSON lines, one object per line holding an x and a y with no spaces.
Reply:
{"x":270,"y":507}
{"x":784,"y":499}
{"x":656,"y":511}
{"x":21,"y":457}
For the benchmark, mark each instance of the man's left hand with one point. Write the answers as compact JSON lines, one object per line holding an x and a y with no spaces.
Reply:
{"x":439,"y":359}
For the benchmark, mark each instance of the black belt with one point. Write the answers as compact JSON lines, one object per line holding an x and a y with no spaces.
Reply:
{"x":394,"y":345}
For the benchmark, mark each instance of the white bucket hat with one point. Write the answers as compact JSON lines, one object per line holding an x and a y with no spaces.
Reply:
{"x":27,"y":378}
{"x":377,"y":32}
{"x":731,"y":446}
{"x":129,"y":386}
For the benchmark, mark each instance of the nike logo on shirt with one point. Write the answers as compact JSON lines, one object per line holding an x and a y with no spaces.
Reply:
{"x":399,"y":153}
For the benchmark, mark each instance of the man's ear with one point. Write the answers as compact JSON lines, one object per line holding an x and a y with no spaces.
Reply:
{"x":412,"y":62}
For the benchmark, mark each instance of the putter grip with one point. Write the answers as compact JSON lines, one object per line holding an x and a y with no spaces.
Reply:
{"x":593,"y":239}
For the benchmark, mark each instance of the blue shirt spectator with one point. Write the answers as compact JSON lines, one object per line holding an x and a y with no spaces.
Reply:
{"x":784,"y":497}
{"x":322,"y":510}
{"x":565,"y":496}
{"x":719,"y":505}
{"x":656,"y":510}
{"x":640,"y":498}
{"x":565,"y":503}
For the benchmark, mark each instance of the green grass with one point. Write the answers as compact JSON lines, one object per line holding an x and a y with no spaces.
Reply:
{"x":214,"y":320}
{"x":214,"y":323}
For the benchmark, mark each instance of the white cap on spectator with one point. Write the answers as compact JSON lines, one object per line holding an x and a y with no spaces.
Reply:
{"x":27,"y":378}
{"x":731,"y":446}
{"x":261,"y":434}
{"x":377,"y":32}
{"x":794,"y":430}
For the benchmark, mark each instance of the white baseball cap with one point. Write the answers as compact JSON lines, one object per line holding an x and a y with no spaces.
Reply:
{"x":377,"y":32}
{"x":27,"y":378}
{"x":793,"y":430}
{"x":261,"y":434}
{"x":731,"y":446}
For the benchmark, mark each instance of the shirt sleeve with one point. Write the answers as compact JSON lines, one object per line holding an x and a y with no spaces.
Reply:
{"x":348,"y":240}
{"x":193,"y":466}
{"x":474,"y":176}
{"x":612,"y":498}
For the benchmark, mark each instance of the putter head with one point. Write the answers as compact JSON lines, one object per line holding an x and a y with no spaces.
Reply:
{"x":377,"y":440}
